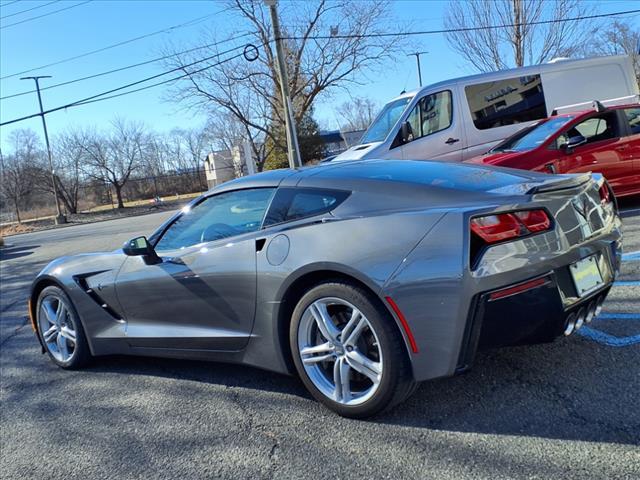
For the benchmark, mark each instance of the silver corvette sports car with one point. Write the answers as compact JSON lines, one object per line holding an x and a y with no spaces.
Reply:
{"x":363,"y":277}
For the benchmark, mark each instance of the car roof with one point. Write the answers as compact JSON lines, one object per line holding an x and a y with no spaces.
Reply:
{"x":588,"y":111}
{"x":368,"y":174}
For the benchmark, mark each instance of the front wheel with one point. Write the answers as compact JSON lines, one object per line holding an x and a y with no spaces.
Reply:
{"x":348,"y":352}
{"x":60,"y":329}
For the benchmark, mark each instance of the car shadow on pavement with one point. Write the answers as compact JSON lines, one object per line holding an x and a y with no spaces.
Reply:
{"x":227,"y":374}
{"x":10,"y":252}
{"x":571,"y":389}
{"x":628,"y":206}
{"x":561,"y":390}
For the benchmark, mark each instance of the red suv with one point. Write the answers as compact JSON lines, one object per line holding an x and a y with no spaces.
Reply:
{"x":603,"y":140}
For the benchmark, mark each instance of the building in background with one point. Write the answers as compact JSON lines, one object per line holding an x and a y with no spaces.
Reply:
{"x":225,"y":165}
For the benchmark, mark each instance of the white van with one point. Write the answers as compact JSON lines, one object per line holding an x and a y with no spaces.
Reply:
{"x":461,"y":118}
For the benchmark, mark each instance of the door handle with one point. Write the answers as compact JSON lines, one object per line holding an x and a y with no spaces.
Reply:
{"x":174,"y":260}
{"x":451,"y":140}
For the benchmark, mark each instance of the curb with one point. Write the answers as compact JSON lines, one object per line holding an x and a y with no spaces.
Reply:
{"x":66,"y":225}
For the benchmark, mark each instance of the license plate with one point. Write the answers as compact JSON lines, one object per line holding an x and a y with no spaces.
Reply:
{"x":586,"y":275}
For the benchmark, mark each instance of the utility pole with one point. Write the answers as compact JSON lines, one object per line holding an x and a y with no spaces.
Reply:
{"x":417,"y":55}
{"x":293,"y":151}
{"x":60,"y":218}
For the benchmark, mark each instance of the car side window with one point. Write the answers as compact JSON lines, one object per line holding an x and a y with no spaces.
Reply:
{"x":433,"y":113}
{"x":294,"y":203}
{"x":217,"y":217}
{"x":594,"y":129}
{"x":633,"y":117}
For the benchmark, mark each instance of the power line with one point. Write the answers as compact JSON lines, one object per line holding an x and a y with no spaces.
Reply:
{"x":27,"y":10}
{"x":45,"y":14}
{"x":127,"y":67}
{"x":146,"y":87}
{"x":96,"y":97}
{"x":455,"y":30}
{"x":124,"y":42}
{"x":9,"y":3}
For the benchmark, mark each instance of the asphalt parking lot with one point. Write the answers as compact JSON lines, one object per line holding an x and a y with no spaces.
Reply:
{"x":570,"y":409}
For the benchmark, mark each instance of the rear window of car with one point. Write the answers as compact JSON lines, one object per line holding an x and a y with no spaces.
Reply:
{"x":506,"y":102}
{"x":633,"y":116}
{"x":294,"y":203}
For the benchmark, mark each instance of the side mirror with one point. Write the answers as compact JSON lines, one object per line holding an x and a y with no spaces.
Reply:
{"x":140,"y":247}
{"x":572,"y":143}
{"x":405,"y":132}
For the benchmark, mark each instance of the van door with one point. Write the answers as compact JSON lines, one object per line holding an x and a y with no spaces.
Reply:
{"x":434,"y":129}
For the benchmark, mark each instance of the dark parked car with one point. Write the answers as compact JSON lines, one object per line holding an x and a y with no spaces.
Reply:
{"x":603,"y":140}
{"x":361,"y":277}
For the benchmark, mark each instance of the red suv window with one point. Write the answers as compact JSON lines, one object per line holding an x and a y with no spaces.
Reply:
{"x":593,"y":129}
{"x":633,"y":116}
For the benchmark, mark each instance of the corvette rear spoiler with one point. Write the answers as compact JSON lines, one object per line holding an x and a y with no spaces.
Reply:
{"x":561,"y":182}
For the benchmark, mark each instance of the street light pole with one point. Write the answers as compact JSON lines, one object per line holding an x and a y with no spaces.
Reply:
{"x":417,"y":55}
{"x":60,"y":218}
{"x":293,"y":151}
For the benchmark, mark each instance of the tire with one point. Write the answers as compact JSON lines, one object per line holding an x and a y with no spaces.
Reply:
{"x":60,"y":329}
{"x":374,"y":383}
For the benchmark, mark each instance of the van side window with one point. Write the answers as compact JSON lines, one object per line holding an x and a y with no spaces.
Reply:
{"x":633,"y":116}
{"x":433,"y":113}
{"x":594,"y":129}
{"x":506,"y":102}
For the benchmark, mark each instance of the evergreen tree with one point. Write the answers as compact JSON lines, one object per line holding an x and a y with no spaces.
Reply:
{"x":309,"y":142}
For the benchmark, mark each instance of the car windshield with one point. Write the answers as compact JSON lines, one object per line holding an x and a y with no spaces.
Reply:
{"x":385,"y":120}
{"x":532,"y":137}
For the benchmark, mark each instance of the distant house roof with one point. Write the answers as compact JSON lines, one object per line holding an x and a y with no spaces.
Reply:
{"x":337,"y":136}
{"x":331,"y":136}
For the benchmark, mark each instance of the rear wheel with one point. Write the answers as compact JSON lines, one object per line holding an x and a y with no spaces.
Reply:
{"x":349,"y":354}
{"x":60,"y":329}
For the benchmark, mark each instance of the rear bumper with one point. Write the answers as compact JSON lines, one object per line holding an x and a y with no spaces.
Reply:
{"x":537,"y":310}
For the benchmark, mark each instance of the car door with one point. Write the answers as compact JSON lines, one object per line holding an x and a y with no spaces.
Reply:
{"x":601,"y":150}
{"x":435,"y":132}
{"x":202,"y":295}
{"x":631,"y":152}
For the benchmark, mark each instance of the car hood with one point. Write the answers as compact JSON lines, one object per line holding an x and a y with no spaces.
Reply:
{"x":356,"y":152}
{"x":499,"y":158}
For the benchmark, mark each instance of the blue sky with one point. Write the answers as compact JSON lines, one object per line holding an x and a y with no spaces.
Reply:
{"x":99,"y":23}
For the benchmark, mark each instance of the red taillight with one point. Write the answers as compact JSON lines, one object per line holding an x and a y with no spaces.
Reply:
{"x":523,"y":287}
{"x":506,"y":226}
{"x":605,"y":195}
{"x":405,"y":325}
{"x":495,"y":228}
{"x":534,"y":220}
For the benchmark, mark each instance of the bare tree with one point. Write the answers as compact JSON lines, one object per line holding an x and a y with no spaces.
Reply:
{"x":196,"y":143}
{"x":317,"y":63}
{"x":521,"y":43}
{"x":225,"y":131}
{"x":114,"y":157}
{"x":357,"y":114}
{"x":17,"y":170}
{"x":68,"y":157}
